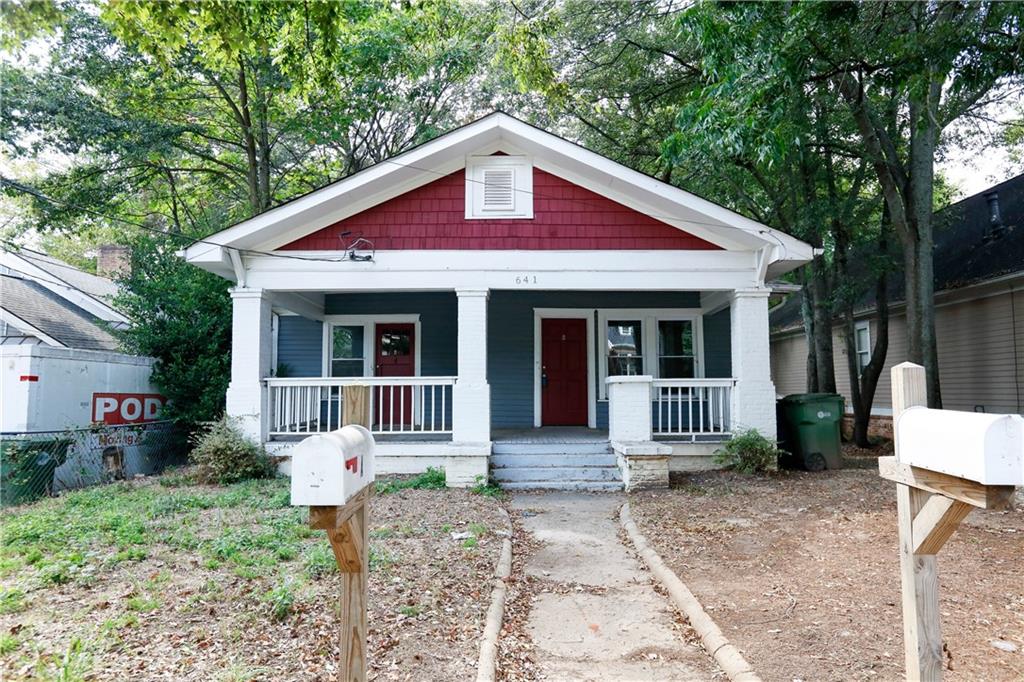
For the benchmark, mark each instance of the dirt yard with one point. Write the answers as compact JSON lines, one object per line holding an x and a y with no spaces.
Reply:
{"x":167,"y":580}
{"x":800,"y":571}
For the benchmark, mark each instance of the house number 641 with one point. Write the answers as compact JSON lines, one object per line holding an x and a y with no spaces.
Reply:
{"x":526,"y":279}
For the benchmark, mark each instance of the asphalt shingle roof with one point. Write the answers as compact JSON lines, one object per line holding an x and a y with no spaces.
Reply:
{"x":53,"y":315}
{"x":93,"y":285}
{"x":964,"y":252}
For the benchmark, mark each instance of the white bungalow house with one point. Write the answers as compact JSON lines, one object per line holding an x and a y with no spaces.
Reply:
{"x":517,"y":303}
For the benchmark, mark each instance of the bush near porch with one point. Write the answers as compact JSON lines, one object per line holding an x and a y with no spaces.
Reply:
{"x":166,"y":578}
{"x":801,"y":572}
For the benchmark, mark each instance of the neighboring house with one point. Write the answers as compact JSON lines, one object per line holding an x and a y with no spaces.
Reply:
{"x":504,"y":292}
{"x":62,"y":365}
{"x":979,"y":299}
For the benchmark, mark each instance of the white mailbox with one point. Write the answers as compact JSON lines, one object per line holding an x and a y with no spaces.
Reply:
{"x":986,"y":448}
{"x":330,"y":469}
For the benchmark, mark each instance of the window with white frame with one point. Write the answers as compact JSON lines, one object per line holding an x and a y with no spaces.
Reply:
{"x":347,"y":352}
{"x":499,"y":187}
{"x":862,"y":344}
{"x":624,"y":341}
{"x":677,"y":355}
{"x":665,"y":344}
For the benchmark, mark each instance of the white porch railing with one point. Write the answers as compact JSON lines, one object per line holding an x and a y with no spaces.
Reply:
{"x":398,"y":405}
{"x":691,"y":408}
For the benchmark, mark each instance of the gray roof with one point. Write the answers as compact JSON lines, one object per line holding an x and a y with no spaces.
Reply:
{"x":53,"y":315}
{"x":93,"y":285}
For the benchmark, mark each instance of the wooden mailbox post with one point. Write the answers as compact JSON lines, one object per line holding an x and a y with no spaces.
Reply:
{"x":333,"y":474}
{"x":946,"y":464}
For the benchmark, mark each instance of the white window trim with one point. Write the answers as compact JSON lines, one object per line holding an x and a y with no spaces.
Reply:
{"x":866,"y":326}
{"x":369,"y":324}
{"x":571,"y":313}
{"x":522,"y":187}
{"x":649,"y":318}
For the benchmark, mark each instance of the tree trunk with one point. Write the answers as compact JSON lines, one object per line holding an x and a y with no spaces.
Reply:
{"x":806,"y":313}
{"x":823,"y":326}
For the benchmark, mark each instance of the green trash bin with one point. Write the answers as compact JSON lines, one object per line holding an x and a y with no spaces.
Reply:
{"x":809,"y":429}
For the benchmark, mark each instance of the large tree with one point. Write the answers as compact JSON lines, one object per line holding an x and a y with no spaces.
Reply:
{"x":154,"y":124}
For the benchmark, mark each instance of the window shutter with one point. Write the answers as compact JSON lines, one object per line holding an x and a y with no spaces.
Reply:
{"x":499,"y":189}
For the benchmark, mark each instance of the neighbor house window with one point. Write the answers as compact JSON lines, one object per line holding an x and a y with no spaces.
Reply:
{"x":676,"y":356}
{"x":346,"y":351}
{"x":625,"y":348}
{"x":862,"y":344}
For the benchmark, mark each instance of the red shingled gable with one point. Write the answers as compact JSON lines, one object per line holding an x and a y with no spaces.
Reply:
{"x":566,"y":216}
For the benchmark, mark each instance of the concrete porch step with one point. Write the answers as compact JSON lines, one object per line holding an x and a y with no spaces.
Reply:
{"x":556,"y":473}
{"x":579,"y":448}
{"x":580,"y":486}
{"x":606,"y":459}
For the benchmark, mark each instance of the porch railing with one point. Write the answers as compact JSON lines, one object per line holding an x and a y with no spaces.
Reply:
{"x":691,"y":408}
{"x":398,"y":405}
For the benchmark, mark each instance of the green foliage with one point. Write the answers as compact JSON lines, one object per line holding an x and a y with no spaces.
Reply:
{"x":487,"y":488}
{"x":431,"y":479}
{"x":318,"y":561}
{"x":223,"y":454}
{"x":12,"y":600}
{"x":27,"y":467}
{"x":281,"y":599}
{"x":749,"y":453}
{"x":182,"y":317}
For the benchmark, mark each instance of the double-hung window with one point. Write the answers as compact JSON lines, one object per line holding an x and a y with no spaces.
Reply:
{"x":663,"y":343}
{"x":862,"y":344}
{"x":625,"y":347}
{"x":347,"y":351}
{"x":677,"y":355}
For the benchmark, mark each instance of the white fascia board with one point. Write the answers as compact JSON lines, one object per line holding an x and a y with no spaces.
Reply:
{"x":357,"y":192}
{"x":211,"y":258}
{"x":562,"y":270}
{"x":448,"y":153}
{"x":66,"y":291}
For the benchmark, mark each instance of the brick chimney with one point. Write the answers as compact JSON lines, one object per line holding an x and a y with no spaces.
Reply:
{"x":113,"y":260}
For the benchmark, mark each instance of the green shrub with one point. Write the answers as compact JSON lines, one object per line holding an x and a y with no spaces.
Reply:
{"x":27,"y":467}
{"x":749,"y":453}
{"x":223,"y":454}
{"x":431,"y":478}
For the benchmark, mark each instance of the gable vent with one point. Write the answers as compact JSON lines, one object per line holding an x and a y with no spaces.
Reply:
{"x":498,"y":189}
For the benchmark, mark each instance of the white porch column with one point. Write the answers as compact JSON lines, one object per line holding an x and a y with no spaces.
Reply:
{"x":471,"y":400}
{"x":251,"y":349}
{"x":629,"y":408}
{"x":753,"y":398}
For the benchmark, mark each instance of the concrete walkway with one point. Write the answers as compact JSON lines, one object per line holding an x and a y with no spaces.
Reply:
{"x":616,"y":627}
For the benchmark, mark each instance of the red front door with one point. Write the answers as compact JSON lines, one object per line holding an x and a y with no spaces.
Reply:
{"x":395,"y":356}
{"x":563,"y":356}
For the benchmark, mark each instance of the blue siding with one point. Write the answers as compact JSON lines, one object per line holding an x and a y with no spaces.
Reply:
{"x":510,"y":341}
{"x":299,"y":346}
{"x":438,"y":322}
{"x":510,"y":337}
{"x":717,"y":345}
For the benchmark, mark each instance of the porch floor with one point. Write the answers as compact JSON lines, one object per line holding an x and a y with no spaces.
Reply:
{"x":550,"y":435}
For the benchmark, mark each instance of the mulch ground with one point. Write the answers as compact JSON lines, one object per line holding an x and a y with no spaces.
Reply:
{"x":207,"y":609}
{"x":801,"y":572}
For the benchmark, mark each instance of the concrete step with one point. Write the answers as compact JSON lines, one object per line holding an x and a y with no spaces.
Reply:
{"x":580,"y":448}
{"x":556,"y":473}
{"x":581,"y":486}
{"x":548,"y":459}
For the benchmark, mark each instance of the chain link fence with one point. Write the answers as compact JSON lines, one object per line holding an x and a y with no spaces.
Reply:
{"x":40,"y":463}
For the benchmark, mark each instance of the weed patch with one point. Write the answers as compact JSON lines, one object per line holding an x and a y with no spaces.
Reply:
{"x":432,"y":478}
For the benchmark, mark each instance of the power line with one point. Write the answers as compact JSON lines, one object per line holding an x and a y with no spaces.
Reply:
{"x":196,"y":240}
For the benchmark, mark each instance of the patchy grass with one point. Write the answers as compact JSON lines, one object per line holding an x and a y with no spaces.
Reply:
{"x":165,"y":578}
{"x":431,"y":479}
{"x":487,"y":488}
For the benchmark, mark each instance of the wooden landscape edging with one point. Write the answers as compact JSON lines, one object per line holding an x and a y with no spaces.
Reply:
{"x":726,"y":655}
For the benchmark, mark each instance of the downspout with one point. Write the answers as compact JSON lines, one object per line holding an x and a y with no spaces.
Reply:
{"x":1016,"y":348}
